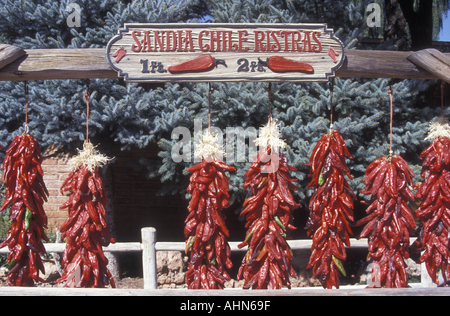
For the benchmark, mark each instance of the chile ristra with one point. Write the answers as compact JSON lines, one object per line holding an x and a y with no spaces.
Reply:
{"x":25,"y":193}
{"x":85,"y":228}
{"x":205,"y":228}
{"x":390,"y":221}
{"x":434,"y":210}
{"x":331,"y":208}
{"x":268,"y":212}
{"x":268,"y":261}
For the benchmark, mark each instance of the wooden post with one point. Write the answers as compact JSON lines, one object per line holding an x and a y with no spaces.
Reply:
{"x":148,"y":235}
{"x":9,"y":53}
{"x":432,"y":61}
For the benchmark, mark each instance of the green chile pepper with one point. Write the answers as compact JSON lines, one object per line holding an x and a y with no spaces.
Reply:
{"x":28,"y":215}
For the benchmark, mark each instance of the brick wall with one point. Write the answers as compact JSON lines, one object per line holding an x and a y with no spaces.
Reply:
{"x":55,"y":172}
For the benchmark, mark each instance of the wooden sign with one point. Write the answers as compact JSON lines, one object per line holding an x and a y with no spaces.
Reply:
{"x":199,"y":52}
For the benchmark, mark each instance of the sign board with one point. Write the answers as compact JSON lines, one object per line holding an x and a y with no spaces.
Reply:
{"x":202,"y":52}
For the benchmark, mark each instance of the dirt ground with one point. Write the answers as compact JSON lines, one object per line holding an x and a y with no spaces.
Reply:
{"x":130,"y":283}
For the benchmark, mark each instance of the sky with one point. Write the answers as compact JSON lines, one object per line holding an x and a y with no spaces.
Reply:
{"x":444,"y":34}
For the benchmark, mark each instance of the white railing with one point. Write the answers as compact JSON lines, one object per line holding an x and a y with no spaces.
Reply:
{"x":149,"y":246}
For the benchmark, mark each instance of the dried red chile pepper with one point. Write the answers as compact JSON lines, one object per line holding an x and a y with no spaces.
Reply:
{"x":331,"y":207}
{"x":25,"y":193}
{"x":85,"y":230}
{"x":267,"y":263}
{"x":205,"y":228}
{"x":434,"y":211}
{"x":390,"y":221}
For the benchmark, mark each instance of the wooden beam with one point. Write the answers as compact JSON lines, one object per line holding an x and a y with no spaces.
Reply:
{"x":41,"y":64}
{"x":9,"y":53}
{"x":432,"y":61}
{"x":84,"y":63}
{"x":381,"y":64}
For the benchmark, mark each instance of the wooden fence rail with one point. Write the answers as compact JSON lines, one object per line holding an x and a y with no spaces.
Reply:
{"x":149,"y":246}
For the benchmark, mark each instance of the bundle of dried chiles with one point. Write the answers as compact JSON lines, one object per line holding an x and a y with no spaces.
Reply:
{"x":331,"y":207}
{"x":25,"y":193}
{"x":205,"y":228}
{"x":390,"y":221}
{"x":267,"y":263}
{"x":85,"y":229}
{"x":434,"y":211}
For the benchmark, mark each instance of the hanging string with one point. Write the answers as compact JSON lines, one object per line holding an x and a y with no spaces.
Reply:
{"x":392,"y":115}
{"x":269,"y":90}
{"x":87,"y":97}
{"x":26,"y":108}
{"x":442,"y":98}
{"x":210,"y":91}
{"x":331,"y":84}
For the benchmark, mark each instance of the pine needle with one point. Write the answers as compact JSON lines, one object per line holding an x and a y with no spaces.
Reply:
{"x":89,"y":157}
{"x":439,"y":127}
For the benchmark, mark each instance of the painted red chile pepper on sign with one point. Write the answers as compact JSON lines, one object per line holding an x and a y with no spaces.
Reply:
{"x":85,"y":230}
{"x":390,"y":221}
{"x":331,"y":207}
{"x":267,"y":263}
{"x":201,"y":63}
{"x":25,"y":193}
{"x":282,"y":64}
{"x":119,"y":54}
{"x":434,"y":211}
{"x":205,"y":228}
